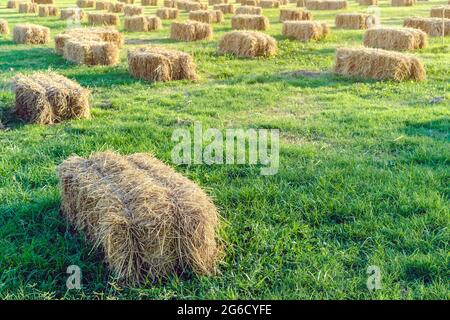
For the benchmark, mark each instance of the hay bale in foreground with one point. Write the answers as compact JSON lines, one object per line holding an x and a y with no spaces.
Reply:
{"x":225,"y":8}
{"x":27,"y":7}
{"x":269,"y":4}
{"x":4,"y":27}
{"x":31,"y":34}
{"x":103,"y":5}
{"x":402,"y":3}
{"x":47,"y":98}
{"x":75,"y":14}
{"x":150,"y":221}
{"x":431,"y":26}
{"x":305,"y":30}
{"x":132,"y":10}
{"x":12,"y":4}
{"x":48,"y":10}
{"x":398,"y":39}
{"x":160,"y":64}
{"x":249,"y":22}
{"x":378,"y":64}
{"x":355,"y":21}
{"x":249,"y":10}
{"x":89,"y":52}
{"x":207,"y":16}
{"x":368,"y":2}
{"x":248,"y":44}
{"x":294,"y":15}
{"x":326,"y":4}
{"x":190,"y":31}
{"x":440,"y":12}
{"x":167,"y":13}
{"x":116,"y":7}
{"x":103,"y":19}
{"x":85,"y":3}
{"x":142,"y":23}
{"x":149,"y":2}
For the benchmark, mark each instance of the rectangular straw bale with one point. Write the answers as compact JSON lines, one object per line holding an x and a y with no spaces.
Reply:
{"x":13,"y":4}
{"x":85,"y":3}
{"x":368,"y":2}
{"x":402,"y":3}
{"x":294,"y":15}
{"x":170,"y":4}
{"x":160,"y":64}
{"x":190,"y":6}
{"x":48,"y":10}
{"x":355,"y":21}
{"x":214,"y":2}
{"x":249,"y":22}
{"x":150,"y":221}
{"x":4,"y":27}
{"x":103,"y":19}
{"x":27,"y":7}
{"x":31,"y":34}
{"x":378,"y":64}
{"x":248,"y":44}
{"x":91,"y":52}
{"x":440,"y":12}
{"x":305,"y":30}
{"x":167,"y":13}
{"x":149,"y":2}
{"x":326,"y":4}
{"x":251,"y":2}
{"x":127,"y":1}
{"x":431,"y":26}
{"x":190,"y":31}
{"x":142,"y":23}
{"x":397,"y":39}
{"x":268,"y":4}
{"x":225,"y":8}
{"x":206,"y":16}
{"x":43,"y":1}
{"x":116,"y":7}
{"x":249,"y":10}
{"x":75,"y":14}
{"x":106,"y":34}
{"x":301,"y":3}
{"x":47,"y":98}
{"x":103,"y":5}
{"x":133,"y":10}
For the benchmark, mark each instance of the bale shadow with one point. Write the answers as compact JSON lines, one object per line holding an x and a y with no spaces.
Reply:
{"x":438,"y":129}
{"x":31,"y":59}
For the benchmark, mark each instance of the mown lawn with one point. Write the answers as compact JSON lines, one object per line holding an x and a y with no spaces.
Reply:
{"x":364,"y":169}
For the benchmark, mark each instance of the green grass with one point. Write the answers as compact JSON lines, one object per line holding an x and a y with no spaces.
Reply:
{"x":363,"y":180}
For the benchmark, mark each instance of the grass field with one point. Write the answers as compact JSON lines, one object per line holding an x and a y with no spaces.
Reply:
{"x":363,"y":180}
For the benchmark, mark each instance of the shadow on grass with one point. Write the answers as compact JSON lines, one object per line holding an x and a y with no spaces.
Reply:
{"x":436,"y":129}
{"x":31,"y":59}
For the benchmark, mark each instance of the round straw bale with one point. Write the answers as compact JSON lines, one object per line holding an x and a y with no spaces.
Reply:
{"x":116,"y":7}
{"x":103,"y":19}
{"x":355,"y":21}
{"x":27,"y":7}
{"x":431,"y":26}
{"x":440,"y":12}
{"x":48,"y":10}
{"x":4,"y":27}
{"x":168,"y":13}
{"x":190,"y":31}
{"x":402,"y":3}
{"x":378,"y":64}
{"x":103,"y":5}
{"x":398,"y":39}
{"x":160,"y":64}
{"x":91,"y":52}
{"x":225,"y":8}
{"x":47,"y":98}
{"x":249,"y":10}
{"x":149,"y":220}
{"x":249,"y":22}
{"x":368,"y":2}
{"x":75,"y":14}
{"x":31,"y":34}
{"x":132,"y":10}
{"x":248,"y":44}
{"x":268,"y":4}
{"x":206,"y":16}
{"x":326,"y":4}
{"x":85,"y":3}
{"x":294,"y":15}
{"x":149,"y":2}
{"x":305,"y":30}
{"x":142,"y":23}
